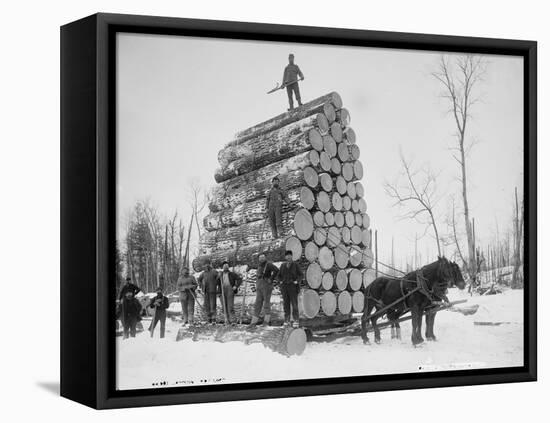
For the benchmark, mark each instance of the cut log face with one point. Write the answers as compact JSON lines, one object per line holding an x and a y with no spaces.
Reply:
{"x":352,"y":193}
{"x":329,"y":219}
{"x":355,"y":255}
{"x":341,"y":280}
{"x":319,"y":218}
{"x":303,"y":225}
{"x":362,"y":205}
{"x":335,"y":166}
{"x":336,"y":200}
{"x":369,"y":275}
{"x":333,"y":236}
{"x":311,"y":251}
{"x":320,"y":236}
{"x":343,"y":152}
{"x":326,"y":258}
{"x":328,"y":303}
{"x":366,"y":220}
{"x":358,"y":301}
{"x":359,"y":189}
{"x":294,"y":341}
{"x":356,"y":235}
{"x":343,"y":117}
{"x":329,"y":145}
{"x":314,"y":275}
{"x":330,"y":112}
{"x":346,"y":235}
{"x":313,"y":156}
{"x":346,"y":202}
{"x":341,"y":185}
{"x":326,"y":182}
{"x":359,"y":219}
{"x":310,"y":177}
{"x":367,"y":258}
{"x":341,"y":256}
{"x":366,"y":238}
{"x":336,"y":132}
{"x":355,"y":206}
{"x":355,"y":279}
{"x":327,"y":283}
{"x":307,"y":198}
{"x":354,"y":151}
{"x":358,"y":169}
{"x":325,"y":161}
{"x":295,"y":245}
{"x":350,"y":135}
{"x":347,"y":171}
{"x":344,"y":302}
{"x":350,"y":219}
{"x":315,"y":106}
{"x":270,"y":151}
{"x":309,"y":303}
{"x":323,"y":201}
{"x":339,"y":219}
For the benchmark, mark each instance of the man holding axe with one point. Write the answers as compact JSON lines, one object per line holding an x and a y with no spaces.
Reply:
{"x":291,"y":76}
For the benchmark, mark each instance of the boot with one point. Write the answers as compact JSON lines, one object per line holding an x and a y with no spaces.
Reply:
{"x":267,"y":320}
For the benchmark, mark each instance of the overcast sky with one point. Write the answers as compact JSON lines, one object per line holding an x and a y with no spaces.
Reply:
{"x":180,"y":99}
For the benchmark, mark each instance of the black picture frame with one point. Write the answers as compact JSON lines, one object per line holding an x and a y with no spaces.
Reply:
{"x":88,"y":213}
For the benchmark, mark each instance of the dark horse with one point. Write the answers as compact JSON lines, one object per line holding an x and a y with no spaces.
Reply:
{"x":420,"y":290}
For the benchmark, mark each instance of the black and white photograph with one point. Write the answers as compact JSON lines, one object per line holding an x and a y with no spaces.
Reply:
{"x":294,"y":211}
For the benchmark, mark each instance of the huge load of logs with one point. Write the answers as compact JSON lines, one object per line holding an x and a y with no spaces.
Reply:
{"x":325,"y":223}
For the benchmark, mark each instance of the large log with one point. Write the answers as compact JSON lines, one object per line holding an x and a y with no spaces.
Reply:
{"x":341,"y":280}
{"x":326,"y":258}
{"x":329,"y":219}
{"x":343,"y":152}
{"x":283,"y":340}
{"x":256,"y":146}
{"x":334,"y":237}
{"x":320,"y":236}
{"x":293,"y":172}
{"x":354,"y":151}
{"x":358,"y":301}
{"x":343,"y":117}
{"x":328,"y":303}
{"x":311,"y":251}
{"x":314,"y":275}
{"x":355,"y":279}
{"x":350,"y":135}
{"x":325,"y":104}
{"x":341,"y":256}
{"x":327,"y":282}
{"x":359,"y":189}
{"x":352,"y":192}
{"x":344,"y":302}
{"x":339,"y":219}
{"x":336,"y":133}
{"x":319,"y":218}
{"x":329,"y":145}
{"x":309,"y":303}
{"x":325,"y":181}
{"x":369,"y":275}
{"x":269,"y":151}
{"x":335,"y":166}
{"x":341,"y":185}
{"x":323,"y":201}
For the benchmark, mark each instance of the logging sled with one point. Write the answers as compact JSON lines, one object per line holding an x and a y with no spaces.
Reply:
{"x":323,"y":222}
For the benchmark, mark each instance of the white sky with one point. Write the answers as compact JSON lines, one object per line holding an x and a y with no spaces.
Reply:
{"x":180,"y":99}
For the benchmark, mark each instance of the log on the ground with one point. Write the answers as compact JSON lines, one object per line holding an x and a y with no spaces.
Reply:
{"x":327,"y":104}
{"x":268,"y":151}
{"x":284,"y":340}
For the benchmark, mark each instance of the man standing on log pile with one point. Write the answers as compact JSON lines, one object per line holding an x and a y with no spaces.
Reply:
{"x":291,"y":76}
{"x":274,"y":207}
{"x":187,"y":284}
{"x":265,"y":275}
{"x":209,"y":284}
{"x":229,"y":283}
{"x":290,"y":276}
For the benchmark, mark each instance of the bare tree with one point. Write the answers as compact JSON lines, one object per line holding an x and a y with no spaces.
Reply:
{"x":416,"y":191}
{"x":198,"y":200}
{"x":460,"y":77}
{"x":518,"y":224}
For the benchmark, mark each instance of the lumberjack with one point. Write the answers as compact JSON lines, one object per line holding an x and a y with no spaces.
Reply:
{"x":210,"y":285}
{"x":290,"y":276}
{"x":274,"y":207}
{"x":229,"y":283}
{"x":159,"y":303}
{"x":290,"y":80}
{"x":265,"y":275}
{"x":187,"y":284}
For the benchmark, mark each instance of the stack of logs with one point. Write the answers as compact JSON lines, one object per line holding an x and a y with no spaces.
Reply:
{"x":314,"y":153}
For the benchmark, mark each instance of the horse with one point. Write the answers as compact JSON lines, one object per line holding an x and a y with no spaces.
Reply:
{"x":429,"y":284}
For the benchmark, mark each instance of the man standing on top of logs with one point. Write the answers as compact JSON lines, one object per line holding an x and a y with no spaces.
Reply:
{"x":290,"y":276}
{"x":187,"y":284}
{"x":291,"y":76}
{"x":229,"y":282}
{"x":209,"y":284}
{"x":265,"y":275}
{"x":274,"y":206}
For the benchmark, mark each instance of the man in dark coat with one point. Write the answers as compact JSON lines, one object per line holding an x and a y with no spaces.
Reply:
{"x":291,"y":76}
{"x":130,"y":309}
{"x":265,"y":275}
{"x":128,"y":287}
{"x":274,"y":207}
{"x":210,"y":285}
{"x":229,"y":283}
{"x":290,"y":276}
{"x":186,"y":285}
{"x":159,"y":303}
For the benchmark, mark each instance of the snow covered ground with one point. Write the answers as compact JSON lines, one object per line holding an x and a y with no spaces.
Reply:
{"x":144,"y":362}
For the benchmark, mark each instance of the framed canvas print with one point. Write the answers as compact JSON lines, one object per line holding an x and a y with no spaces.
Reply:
{"x":253,"y":211}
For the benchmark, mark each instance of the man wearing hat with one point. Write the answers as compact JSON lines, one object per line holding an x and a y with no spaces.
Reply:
{"x":265,"y":275}
{"x":128,"y":287}
{"x":291,"y":76}
{"x":159,"y":303}
{"x":129,"y":313}
{"x":290,"y":276}
{"x":210,"y":286}
{"x":274,"y":207}
{"x":186,"y":285}
{"x":229,"y":283}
